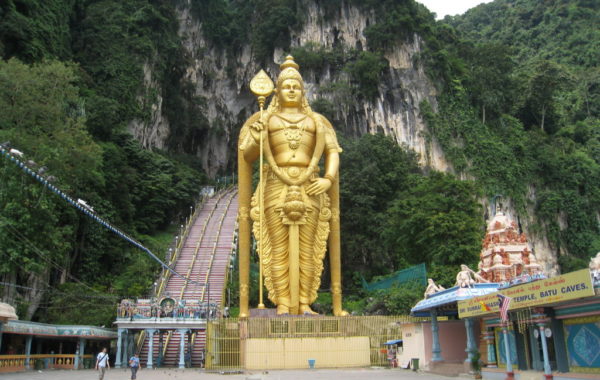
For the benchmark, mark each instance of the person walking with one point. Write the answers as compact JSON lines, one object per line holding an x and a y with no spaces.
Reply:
{"x":102,"y":363}
{"x":134,"y":364}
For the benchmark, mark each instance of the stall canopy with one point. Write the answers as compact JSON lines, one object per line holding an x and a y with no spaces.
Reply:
{"x":393,"y":341}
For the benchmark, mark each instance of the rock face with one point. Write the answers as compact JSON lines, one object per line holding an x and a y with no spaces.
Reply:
{"x":223,"y":80}
{"x":153,"y":132}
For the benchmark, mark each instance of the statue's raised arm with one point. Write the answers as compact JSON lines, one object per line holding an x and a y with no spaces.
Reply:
{"x":297,"y":217}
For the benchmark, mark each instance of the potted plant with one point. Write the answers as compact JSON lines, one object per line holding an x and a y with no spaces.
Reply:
{"x":476,"y":365}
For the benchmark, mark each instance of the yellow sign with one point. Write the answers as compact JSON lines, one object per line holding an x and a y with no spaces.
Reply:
{"x":556,"y":289}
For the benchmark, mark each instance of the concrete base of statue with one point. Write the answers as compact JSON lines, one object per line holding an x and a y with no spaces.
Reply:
{"x":263,"y":313}
{"x":296,"y":342}
{"x":297,"y":353}
{"x":272,"y":313}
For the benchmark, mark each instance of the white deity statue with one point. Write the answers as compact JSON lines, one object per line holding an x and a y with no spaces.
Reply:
{"x":464,"y":278}
{"x":432,"y":288}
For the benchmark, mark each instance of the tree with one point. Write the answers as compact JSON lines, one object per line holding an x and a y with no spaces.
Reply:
{"x":490,"y":82}
{"x":436,"y":220}
{"x":547,"y":80}
{"x":373,"y":169}
{"x":42,"y":116}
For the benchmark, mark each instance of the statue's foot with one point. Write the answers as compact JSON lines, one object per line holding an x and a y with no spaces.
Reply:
{"x":282,"y":309}
{"x":305,"y":309}
{"x":340,"y":313}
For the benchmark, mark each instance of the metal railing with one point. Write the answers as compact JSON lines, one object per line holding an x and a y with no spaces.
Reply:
{"x":200,"y":240}
{"x":227,"y":337}
{"x":214,"y":251}
{"x":191,"y":266}
{"x":143,"y":311}
{"x":165,"y":275}
{"x":9,"y":363}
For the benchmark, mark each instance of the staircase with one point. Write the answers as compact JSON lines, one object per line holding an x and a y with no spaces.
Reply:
{"x":204,"y":259}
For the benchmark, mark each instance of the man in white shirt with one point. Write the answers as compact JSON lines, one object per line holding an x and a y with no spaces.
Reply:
{"x":102,"y":363}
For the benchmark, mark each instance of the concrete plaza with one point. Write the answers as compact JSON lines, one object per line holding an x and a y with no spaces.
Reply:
{"x":189,"y":374}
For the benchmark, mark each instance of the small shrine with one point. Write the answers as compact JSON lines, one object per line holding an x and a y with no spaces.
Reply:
{"x":506,"y":254}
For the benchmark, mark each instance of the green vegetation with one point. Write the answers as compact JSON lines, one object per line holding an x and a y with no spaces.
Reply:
{"x":529,"y":128}
{"x":72,"y":119}
{"x":394,"y":215}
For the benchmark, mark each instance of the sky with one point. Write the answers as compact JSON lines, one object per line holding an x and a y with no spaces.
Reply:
{"x":450,"y":7}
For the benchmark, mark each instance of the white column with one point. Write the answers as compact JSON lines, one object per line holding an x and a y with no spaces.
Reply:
{"x":547,"y":369}
{"x":28,"y":351}
{"x":81,"y":350}
{"x":471,"y":344}
{"x":125,"y":358}
{"x":119,"y":345}
{"x":77,"y":356}
{"x":509,"y":371}
{"x":436,"y":349}
{"x":150,"y":334}
{"x":182,"y":333}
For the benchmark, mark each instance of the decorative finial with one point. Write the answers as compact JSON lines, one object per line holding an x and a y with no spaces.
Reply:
{"x":261,"y":86}
{"x":289,"y":62}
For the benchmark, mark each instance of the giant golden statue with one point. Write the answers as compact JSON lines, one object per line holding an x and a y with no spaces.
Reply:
{"x":294,"y":210}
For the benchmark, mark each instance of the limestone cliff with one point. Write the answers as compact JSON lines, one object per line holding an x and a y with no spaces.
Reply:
{"x":228,"y":101}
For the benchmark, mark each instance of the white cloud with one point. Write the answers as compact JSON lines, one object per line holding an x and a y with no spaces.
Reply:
{"x":450,"y":7}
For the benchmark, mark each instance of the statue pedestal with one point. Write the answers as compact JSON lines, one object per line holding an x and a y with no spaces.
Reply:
{"x":272,"y":313}
{"x":263,"y":313}
{"x":316,"y":341}
{"x":294,"y":353}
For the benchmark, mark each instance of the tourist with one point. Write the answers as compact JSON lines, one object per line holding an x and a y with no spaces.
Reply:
{"x":134,"y":364}
{"x":102,"y":363}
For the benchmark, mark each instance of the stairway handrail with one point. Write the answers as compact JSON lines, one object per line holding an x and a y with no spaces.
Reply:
{"x":191,"y":265}
{"x":212,"y":258}
{"x":229,"y":262}
{"x":164,"y":278}
{"x":197,"y":249}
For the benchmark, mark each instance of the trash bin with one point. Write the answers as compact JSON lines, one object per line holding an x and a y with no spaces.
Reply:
{"x":87,"y":363}
{"x":47,"y":362}
{"x":414,"y":363}
{"x":311,"y":363}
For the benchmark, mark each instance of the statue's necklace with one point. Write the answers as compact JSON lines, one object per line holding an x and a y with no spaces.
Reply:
{"x":293,"y":131}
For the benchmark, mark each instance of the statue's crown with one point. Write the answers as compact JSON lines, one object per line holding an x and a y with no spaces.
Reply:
{"x":289,"y":62}
{"x":289,"y":70}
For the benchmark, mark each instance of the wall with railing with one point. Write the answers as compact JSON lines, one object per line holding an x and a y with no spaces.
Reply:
{"x":234,"y":344}
{"x":13,"y":363}
{"x":184,"y":309}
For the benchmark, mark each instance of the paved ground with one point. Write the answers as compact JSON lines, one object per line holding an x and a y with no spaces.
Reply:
{"x":189,"y":374}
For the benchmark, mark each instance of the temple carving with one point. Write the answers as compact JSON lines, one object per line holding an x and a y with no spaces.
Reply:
{"x":506,"y":253}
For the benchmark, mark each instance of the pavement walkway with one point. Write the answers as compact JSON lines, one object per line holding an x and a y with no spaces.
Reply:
{"x":189,"y":374}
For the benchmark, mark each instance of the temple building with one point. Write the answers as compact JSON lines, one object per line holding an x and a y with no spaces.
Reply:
{"x":506,"y":253}
{"x":550,"y":325}
{"x":31,"y":345}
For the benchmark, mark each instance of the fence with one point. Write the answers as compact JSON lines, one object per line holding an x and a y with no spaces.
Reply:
{"x":226,"y":338}
{"x":417,"y":273}
{"x":11,"y":363}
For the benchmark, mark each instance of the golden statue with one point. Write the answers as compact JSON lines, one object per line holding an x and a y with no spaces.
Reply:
{"x":295,"y":211}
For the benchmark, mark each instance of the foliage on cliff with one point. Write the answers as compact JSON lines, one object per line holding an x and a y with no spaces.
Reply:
{"x":523,"y":116}
{"x":394,"y":215}
{"x":71,"y":118}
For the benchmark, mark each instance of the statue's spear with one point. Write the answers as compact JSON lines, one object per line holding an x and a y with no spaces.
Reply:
{"x":261,"y":86}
